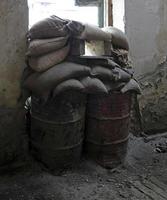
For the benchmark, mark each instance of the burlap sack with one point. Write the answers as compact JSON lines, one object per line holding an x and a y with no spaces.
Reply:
{"x":75,"y":28}
{"x":42,"y":63}
{"x":119,"y":39}
{"x":92,"y":32}
{"x":114,"y":86}
{"x":48,"y":28}
{"x":131,"y":86}
{"x":40,"y":47}
{"x":93,"y":86}
{"x":39,"y":83}
{"x":123,"y":75}
{"x":71,"y":84}
{"x":104,"y":73}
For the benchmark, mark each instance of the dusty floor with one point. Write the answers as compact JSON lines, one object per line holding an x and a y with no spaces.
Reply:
{"x":143,"y":176}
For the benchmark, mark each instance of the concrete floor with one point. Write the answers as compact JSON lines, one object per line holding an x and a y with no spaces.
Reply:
{"x":143,"y":176}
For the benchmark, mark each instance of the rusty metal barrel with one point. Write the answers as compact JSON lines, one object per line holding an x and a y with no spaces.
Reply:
{"x":107,"y":128}
{"x":57,"y":129}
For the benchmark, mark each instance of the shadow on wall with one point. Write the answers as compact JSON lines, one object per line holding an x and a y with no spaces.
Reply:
{"x":153,"y":102}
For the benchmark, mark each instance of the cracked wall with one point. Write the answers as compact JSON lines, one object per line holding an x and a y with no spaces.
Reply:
{"x":145,"y":23}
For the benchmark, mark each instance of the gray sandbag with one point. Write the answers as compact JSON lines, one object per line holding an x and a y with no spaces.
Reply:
{"x":132,"y":86}
{"x":26,"y":73}
{"x":48,"y":28}
{"x":119,"y":39}
{"x":71,"y":84}
{"x":43,"y":46}
{"x":94,"y":60}
{"x":104,"y":73}
{"x":123,"y":74}
{"x":40,"y":83}
{"x":44,"y":62}
{"x":114,"y":86}
{"x":75,"y":28}
{"x":93,"y":86}
{"x":92,"y":32}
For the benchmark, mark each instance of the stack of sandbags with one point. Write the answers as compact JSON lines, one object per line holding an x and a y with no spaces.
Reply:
{"x":49,"y":43}
{"x":113,"y":76}
{"x":119,"y":54}
{"x":51,"y":70}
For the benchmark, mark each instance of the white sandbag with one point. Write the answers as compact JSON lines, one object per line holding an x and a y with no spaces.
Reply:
{"x":119,"y":39}
{"x":71,"y":84}
{"x":92,"y":32}
{"x":40,"y":83}
{"x":42,"y":63}
{"x":93,"y":86}
{"x":43,"y":46}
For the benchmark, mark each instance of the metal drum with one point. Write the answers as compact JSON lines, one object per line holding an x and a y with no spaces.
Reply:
{"x":107,"y":128}
{"x":57,"y":129}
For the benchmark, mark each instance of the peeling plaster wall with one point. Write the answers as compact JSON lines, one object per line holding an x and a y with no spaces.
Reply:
{"x":146,"y":28}
{"x":14,"y":25}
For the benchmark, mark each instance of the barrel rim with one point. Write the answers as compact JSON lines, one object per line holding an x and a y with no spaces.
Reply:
{"x":108,"y":144}
{"x":109,"y":118}
{"x":58,"y":123}
{"x":60,"y":148}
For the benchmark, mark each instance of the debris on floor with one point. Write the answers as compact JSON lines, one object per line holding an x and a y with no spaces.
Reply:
{"x":143,"y":176}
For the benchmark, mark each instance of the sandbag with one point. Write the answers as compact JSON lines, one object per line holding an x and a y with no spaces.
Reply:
{"x":104,"y":73}
{"x":119,"y":39}
{"x":94,"y":60}
{"x":43,"y":46}
{"x":42,"y":63}
{"x":75,"y":28}
{"x":114,"y":86}
{"x":26,"y":73}
{"x":123,"y":75}
{"x":93,"y":86}
{"x":71,"y":84}
{"x":48,"y":28}
{"x":92,"y":32}
{"x":39,"y":83}
{"x":132,"y":86}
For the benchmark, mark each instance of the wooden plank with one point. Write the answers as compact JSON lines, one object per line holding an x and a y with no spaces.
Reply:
{"x":138,"y":194}
{"x":158,"y":183}
{"x":147,"y":191}
{"x":110,"y":13}
{"x":156,"y":189}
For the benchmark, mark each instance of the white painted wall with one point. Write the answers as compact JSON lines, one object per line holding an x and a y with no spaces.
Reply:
{"x":119,"y":14}
{"x":146,"y":28}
